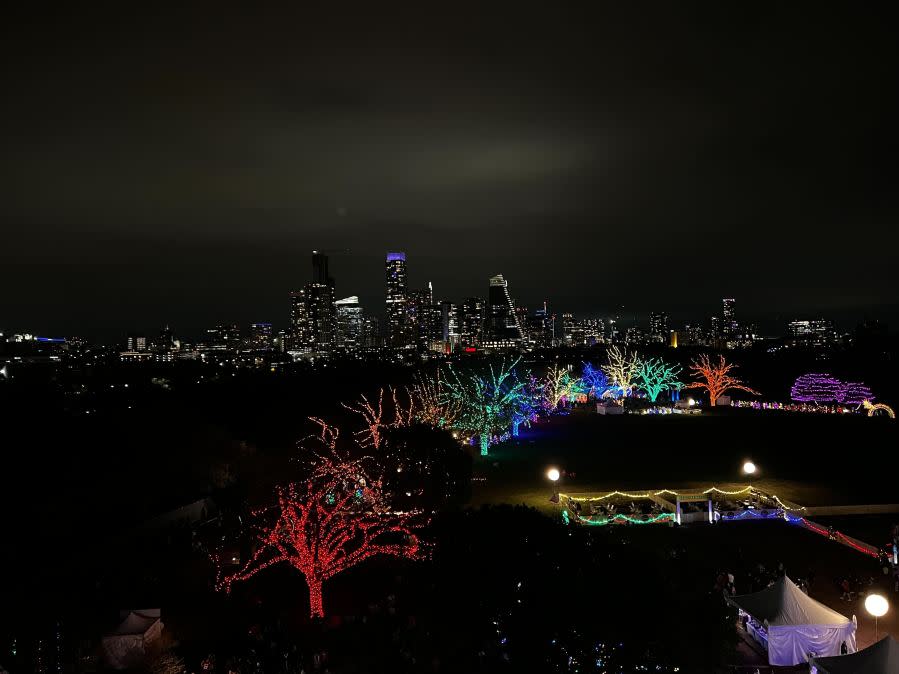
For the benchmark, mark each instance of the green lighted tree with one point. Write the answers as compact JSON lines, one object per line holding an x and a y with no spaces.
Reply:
{"x":486,"y":401}
{"x":655,"y":375}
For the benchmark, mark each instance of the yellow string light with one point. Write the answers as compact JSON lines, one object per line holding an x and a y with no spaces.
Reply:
{"x":744,"y":490}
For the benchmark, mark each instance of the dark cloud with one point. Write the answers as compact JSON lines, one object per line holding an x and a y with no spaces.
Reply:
{"x":179,"y":166}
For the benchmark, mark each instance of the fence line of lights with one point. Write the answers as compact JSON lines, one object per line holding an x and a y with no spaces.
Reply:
{"x":661,"y":492}
{"x":833,"y":535}
{"x":779,"y":513}
{"x":650,"y":519}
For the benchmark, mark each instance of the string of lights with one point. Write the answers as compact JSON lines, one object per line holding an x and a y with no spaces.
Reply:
{"x":649,"y":519}
{"x":662,"y":492}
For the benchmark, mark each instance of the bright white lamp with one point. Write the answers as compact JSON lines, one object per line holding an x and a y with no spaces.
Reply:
{"x":877,"y":606}
{"x":553,"y":474}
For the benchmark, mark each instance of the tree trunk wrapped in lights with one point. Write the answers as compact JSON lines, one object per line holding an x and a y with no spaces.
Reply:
{"x":337,"y":518}
{"x":715,"y":378}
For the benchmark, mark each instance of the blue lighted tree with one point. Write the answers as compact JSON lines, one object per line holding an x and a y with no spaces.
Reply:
{"x":526,"y":404}
{"x":595,"y":380}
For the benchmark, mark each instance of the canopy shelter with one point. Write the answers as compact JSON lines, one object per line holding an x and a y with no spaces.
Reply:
{"x":881,"y":658}
{"x":127,"y":645}
{"x":797,"y":627}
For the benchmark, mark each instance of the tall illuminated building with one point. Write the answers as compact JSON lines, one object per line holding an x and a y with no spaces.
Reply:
{"x":658,"y":328}
{"x":424,"y":318}
{"x":224,"y":336}
{"x":320,"y":269}
{"x":471,"y":321}
{"x":502,"y":319}
{"x":350,"y":324}
{"x":816,"y":332}
{"x":717,"y":332}
{"x":260,"y":337}
{"x":729,"y":326}
{"x":399,"y":330}
{"x":569,"y":328}
{"x":135,"y":342}
{"x":539,"y":327}
{"x":313,"y":314}
{"x":449,"y":324}
{"x":296,"y":337}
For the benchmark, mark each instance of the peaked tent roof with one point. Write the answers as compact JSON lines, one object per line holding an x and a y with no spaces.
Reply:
{"x":785,"y":604}
{"x":137,"y":622}
{"x":881,"y":658}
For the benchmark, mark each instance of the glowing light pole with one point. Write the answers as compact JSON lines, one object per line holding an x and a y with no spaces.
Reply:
{"x":749,"y":469}
{"x":553,"y":475}
{"x":877,"y":606}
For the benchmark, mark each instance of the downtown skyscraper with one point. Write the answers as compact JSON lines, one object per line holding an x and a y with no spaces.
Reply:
{"x":502,"y":320}
{"x":399,"y":329}
{"x":313,"y":314}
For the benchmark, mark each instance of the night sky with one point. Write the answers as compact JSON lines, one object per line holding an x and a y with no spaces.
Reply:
{"x":181,"y":167}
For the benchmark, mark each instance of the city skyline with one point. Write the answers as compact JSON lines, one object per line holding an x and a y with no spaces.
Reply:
{"x":357,"y":274}
{"x":320,"y":321}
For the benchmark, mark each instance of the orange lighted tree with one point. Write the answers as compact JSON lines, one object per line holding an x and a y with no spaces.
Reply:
{"x":432,"y":406}
{"x":715,"y":378}
{"x":377,"y":420}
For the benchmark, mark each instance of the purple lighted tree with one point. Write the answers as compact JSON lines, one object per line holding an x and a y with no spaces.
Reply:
{"x":817,"y":388}
{"x":855,"y":393}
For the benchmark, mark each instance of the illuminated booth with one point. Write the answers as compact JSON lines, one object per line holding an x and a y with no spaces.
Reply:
{"x":792,"y":626}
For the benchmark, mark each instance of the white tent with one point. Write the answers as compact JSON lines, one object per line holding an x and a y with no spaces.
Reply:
{"x":798,"y":626}
{"x":881,"y":658}
{"x":127,"y":644}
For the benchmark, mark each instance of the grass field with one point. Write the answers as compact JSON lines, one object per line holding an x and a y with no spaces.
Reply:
{"x":808,"y":459}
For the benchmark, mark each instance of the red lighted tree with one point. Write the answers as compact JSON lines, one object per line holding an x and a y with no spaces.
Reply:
{"x":715,"y":378}
{"x":337,"y":518}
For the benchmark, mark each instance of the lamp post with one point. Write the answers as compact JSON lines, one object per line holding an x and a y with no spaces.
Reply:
{"x":553,"y":475}
{"x":877,"y":606}
{"x":749,"y":469}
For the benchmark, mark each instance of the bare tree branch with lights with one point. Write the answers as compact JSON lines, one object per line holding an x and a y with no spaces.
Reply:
{"x":715,"y":378}
{"x":559,"y":386}
{"x":622,"y":369}
{"x":377,"y":420}
{"x":432,"y":405}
